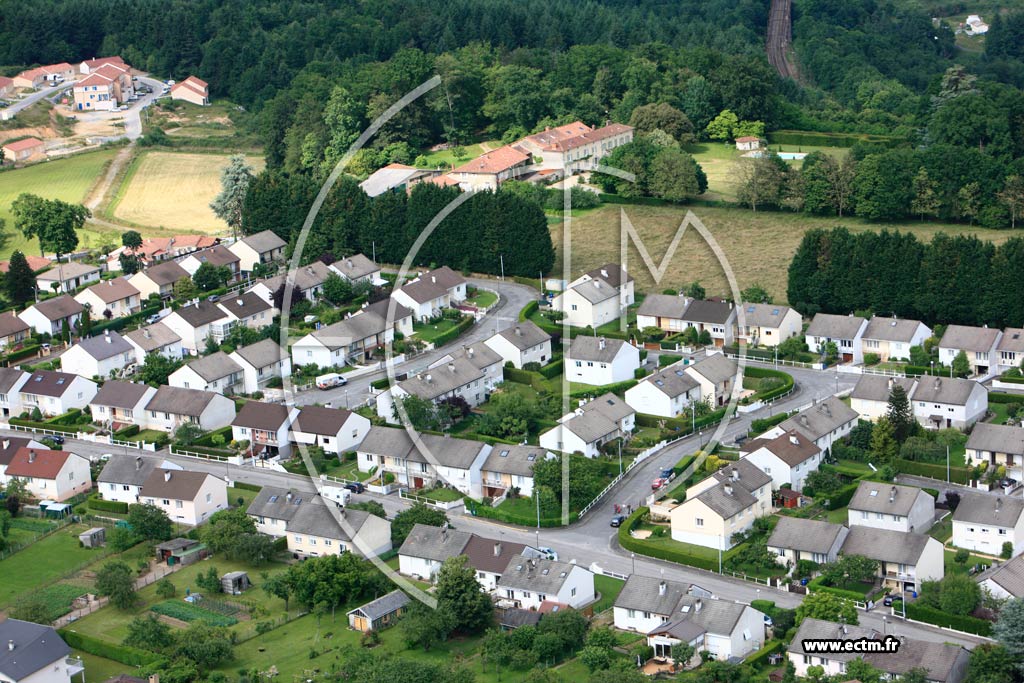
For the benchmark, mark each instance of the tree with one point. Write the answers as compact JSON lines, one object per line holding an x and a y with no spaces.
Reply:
{"x":926,"y":200}
{"x":673,"y":176}
{"x":129,"y":263}
{"x":859,"y":670}
{"x":695,"y":291}
{"x":131,"y":240}
{"x":225,"y":527}
{"x":968,"y":201}
{"x":952,"y":500}
{"x":900,"y":414}
{"x":234,"y":181}
{"x":828,"y":607}
{"x":150,"y":522}
{"x":157,"y":368}
{"x":418,"y":513}
{"x":53,"y":222}
{"x":721,"y":127}
{"x":20,"y":281}
{"x":209,"y":277}
{"x":595,"y":658}
{"x":205,"y":645}
{"x":961,"y":366}
{"x":459,"y":594}
{"x":1009,"y":630}
{"x":960,"y":594}
{"x":662,"y":116}
{"x":278,"y":586}
{"x":165,"y":589}
{"x":149,"y":633}
{"x":761,"y":181}
{"x":990,"y":663}
{"x":424,"y":627}
{"x":756,"y":294}
{"x":184,"y":289}
{"x":371,"y":506}
{"x":884,"y":447}
{"x":1012,"y":197}
{"x":188,"y":433}
{"x":32,"y":607}
{"x":850,"y":569}
{"x":337,"y":290}
{"x":116,"y":580}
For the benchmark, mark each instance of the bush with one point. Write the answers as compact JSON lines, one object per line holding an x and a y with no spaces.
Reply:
{"x":96,"y":503}
{"x":872,"y":359}
{"x":125,"y":432}
{"x":247,"y":487}
{"x":552,"y":369}
{"x":765,"y":423}
{"x":464,"y":324}
{"x":518,"y":376}
{"x":958,"y":475}
{"x":666,"y":359}
{"x":119,"y":653}
{"x":930,"y":615}
{"x":761,"y":656}
{"x":841,"y":498}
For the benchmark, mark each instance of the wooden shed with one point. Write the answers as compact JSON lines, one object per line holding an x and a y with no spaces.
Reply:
{"x":380,"y":613}
{"x":93,"y":538}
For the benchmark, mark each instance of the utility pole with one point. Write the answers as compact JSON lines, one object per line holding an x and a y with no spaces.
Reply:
{"x":947,"y":464}
{"x":501,"y":258}
{"x":620,"y":458}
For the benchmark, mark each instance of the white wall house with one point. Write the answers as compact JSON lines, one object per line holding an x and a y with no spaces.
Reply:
{"x":590,"y":426}
{"x":845,"y":331}
{"x":118,"y":296}
{"x":948,"y":402}
{"x":1004,"y":581}
{"x":49,"y":475}
{"x":984,"y":523}
{"x":666,"y":393}
{"x":597,"y":297}
{"x":431,"y":292}
{"x":978,"y":344}
{"x":427,"y":547}
{"x":172,"y":407}
{"x":994,"y":445}
{"x":119,"y":404}
{"x":599,"y":361}
{"x":155,"y":338}
{"x":262,"y":247}
{"x":267,"y":428}
{"x":333,"y":429}
{"x":870,"y":397}
{"x":721,"y":505}
{"x":55,"y":393}
{"x":319,"y":529}
{"x":186,"y":497}
{"x":824,"y":423}
{"x":905,"y":560}
{"x":123,"y":476}
{"x":767,"y":324}
{"x":522,"y":343}
{"x":794,"y":539}
{"x":431,"y":461}
{"x":891,"y":338}
{"x":34,"y":653}
{"x":49,"y":316}
{"x":1010,"y":349}
{"x":889,"y":506}
{"x":356,"y":339}
{"x":260,"y":363}
{"x":106,"y":355}
{"x":787,"y":458}
{"x":216,"y":373}
{"x":196,"y":321}
{"x":527,"y":582}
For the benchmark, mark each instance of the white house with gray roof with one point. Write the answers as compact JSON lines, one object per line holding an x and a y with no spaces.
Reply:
{"x":716,"y":317}
{"x":978,"y":344}
{"x":260,"y":363}
{"x":834,"y":664}
{"x":716,"y":376}
{"x":358,"y":268}
{"x":318,"y":529}
{"x":262,"y":247}
{"x":730,"y":631}
{"x":48,"y":316}
{"x":824,"y":423}
{"x":355,"y":339}
{"x":102,"y":356}
{"x":431,"y":292}
{"x":787,"y":459}
{"x":55,"y":393}
{"x":427,"y":547}
{"x":985,"y":522}
{"x":845,"y":331}
{"x":767,"y":324}
{"x":522,"y":343}
{"x":666,"y":393}
{"x":274,"y":507}
{"x":118,"y":404}
{"x":599,"y":361}
{"x":155,"y":338}
{"x":217,"y":373}
{"x":905,"y":560}
{"x":527,"y":582}
{"x":997,"y":445}
{"x":870,"y":397}
{"x":1010,"y":349}
{"x":597,"y":297}
{"x":891,"y":338}
{"x":335,"y":430}
{"x":434,"y":460}
{"x":193,"y":323}
{"x":123,"y":476}
{"x":34,"y":653}
{"x":794,"y":539}
{"x":1005,"y":580}
{"x":647,"y":602}
{"x":882,"y":505}
{"x":511,"y":467}
{"x":664,"y":311}
{"x":721,"y":505}
{"x":469,"y":374}
{"x":948,"y":402}
{"x":590,"y":426}
{"x":308,"y":279}
{"x":172,"y":407}
{"x":266,"y":427}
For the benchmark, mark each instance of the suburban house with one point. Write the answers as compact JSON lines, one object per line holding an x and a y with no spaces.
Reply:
{"x":49,"y":316}
{"x":469,"y":374}
{"x":1010,"y":349}
{"x":196,"y":321}
{"x":597,"y":297}
{"x":262,"y":247}
{"x":55,"y":393}
{"x":891,"y":338}
{"x":266,"y":426}
{"x":319,"y":529}
{"x":429,"y":461}
{"x":393,"y":178}
{"x":23,"y":150}
{"x":217,"y":255}
{"x":834,"y":663}
{"x":794,"y":539}
{"x":647,"y":602}
{"x":431,"y":292}
{"x":70,"y":277}
{"x":905,"y":560}
{"x":590,"y":426}
{"x":50,"y":475}
{"x":997,"y":445}
{"x":721,"y":505}
{"x":979,"y":344}
{"x":355,"y":339}
{"x":105,"y":355}
{"x":522,"y":343}
{"x":9,"y":447}
{"x":45,"y":76}
{"x":260,"y":363}
{"x":123,"y":476}
{"x":664,"y":311}
{"x":948,"y":402}
{"x":379,"y":614}
{"x":11,"y":381}
{"x":186,"y":497}
{"x":89,"y":65}
{"x":119,"y":404}
{"x":728,"y":630}
{"x":511,"y":467}
{"x":599,"y":361}
{"x":767,"y":324}
{"x":6,"y":86}
{"x":427,"y":547}
{"x":888,"y":506}
{"x":172,"y":407}
{"x":332,"y":429}
{"x":666,"y":393}
{"x":34,"y":653}
{"x":575,"y":147}
{"x":824,"y":423}
{"x":1005,"y":580}
{"x":273,"y":508}
{"x":787,"y":458}
{"x":870,"y":397}
{"x":104,"y":88}
{"x":155,"y":338}
{"x":192,"y":90}
{"x":984,"y":523}
{"x":117,"y":296}
{"x":715,"y":375}
{"x":717,"y":318}
{"x":748,"y":143}
{"x":357,"y":268}
{"x":159,"y":278}
{"x":308,"y":279}
{"x":845,"y":331}
{"x":13,"y":330}
{"x":491,"y":169}
{"x":248,"y":310}
{"x":216,"y":373}
{"x":527,"y":582}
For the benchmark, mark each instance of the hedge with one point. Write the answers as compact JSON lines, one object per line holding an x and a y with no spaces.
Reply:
{"x":207,"y":439}
{"x":763,"y":424}
{"x":787,"y":382}
{"x":522,"y":520}
{"x":1012,"y":379}
{"x":381,"y":384}
{"x":23,"y":353}
{"x":97,"y":503}
{"x":770,"y":648}
{"x":818,"y":585}
{"x":42,"y":425}
{"x":931,"y":615}
{"x":819,"y":139}
{"x":958,"y":475}
{"x":518,"y":376}
{"x":668,"y":359}
{"x":662,"y":553}
{"x":448,"y":335}
{"x":119,"y":653}
{"x":841,"y":498}
{"x":118,"y":324}
{"x":528,"y":310}
{"x":552,"y":369}
{"x":999,"y":397}
{"x":247,"y":487}
{"x":124,"y":432}
{"x":617,"y":388}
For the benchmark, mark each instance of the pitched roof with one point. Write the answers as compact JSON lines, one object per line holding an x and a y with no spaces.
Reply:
{"x":446,"y":450}
{"x":9,"y":377}
{"x":672,"y":380}
{"x":539,"y":575}
{"x":706,"y":311}
{"x":495,"y":161}
{"x":517,"y":460}
{"x":106,"y":345}
{"x":35,"y":646}
{"x":153,"y":337}
{"x":68,"y":271}
{"x":764,"y":315}
{"x":595,"y":290}
{"x":22,"y":145}
{"x":263,"y":353}
{"x":264,"y":416}
{"x":36,"y":263}
{"x":949,"y":390}
{"x":309,"y":276}
{"x":434,"y":543}
{"x":792,"y":448}
{"x":818,"y":629}
{"x":442,"y":379}
{"x":524,"y":335}
{"x":127,"y":470}
{"x":835,"y":326}
{"x":180,"y":401}
{"x":357,"y":327}
{"x":39,"y":463}
{"x":200,"y":313}
{"x":716,"y":368}
{"x":11,"y":324}
{"x":890,"y":499}
{"x":173,"y":484}
{"x":101,"y":61}
{"x":117,"y":394}
{"x":244,"y":305}
{"x":891,"y":329}
{"x":387,"y":178}
{"x":165,"y":272}
{"x":1009,"y":575}
{"x":278,"y":503}
{"x":58,"y":308}
{"x":663,"y":306}
{"x":48,"y":383}
{"x":1012,"y":340}
{"x":726,"y":499}
{"x":548,"y":137}
{"x":489,"y":555}
{"x":995,"y":438}
{"x":214,"y":366}
{"x":595,"y":349}
{"x":264,"y":241}
{"x":612,"y":273}
{"x":383,"y":606}
{"x":822,"y":418}
{"x":939,"y":659}
{"x":355,"y":266}
{"x":597,"y":418}
{"x":884,"y":545}
{"x":878,"y":387}
{"x":806,"y":535}
{"x":320,"y":420}
{"x":433,"y":284}
{"x":968,"y":338}
{"x":9,"y":445}
{"x":645,"y":594}
{"x":217,"y":255}
{"x":587,"y":137}
{"x":978,"y":508}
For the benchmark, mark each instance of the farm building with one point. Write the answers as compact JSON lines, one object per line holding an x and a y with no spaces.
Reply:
{"x":23,"y":149}
{"x":183,"y":551}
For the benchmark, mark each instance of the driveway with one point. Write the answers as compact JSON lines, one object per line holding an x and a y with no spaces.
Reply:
{"x":32,"y":99}
{"x":133,"y":117}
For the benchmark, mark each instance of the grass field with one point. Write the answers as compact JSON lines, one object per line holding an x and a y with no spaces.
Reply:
{"x":471,"y":152}
{"x":43,"y":561}
{"x":67,"y":179}
{"x":758,"y":246}
{"x":173,"y":190}
{"x":719,"y":160}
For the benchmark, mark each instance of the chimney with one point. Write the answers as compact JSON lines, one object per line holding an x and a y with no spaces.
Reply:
{"x":892,"y":380}
{"x":793,"y":440}
{"x":730,"y":305}
{"x":803,"y":420}
{"x":138,"y":463}
{"x":892,"y":494}
{"x":31,"y":456}
{"x":519,"y":331}
{"x":288,"y":497}
{"x":597,"y":283}
{"x":145,"y":332}
{"x":469,"y":352}
{"x":938,"y":383}
{"x":661,"y":588}
{"x":10,"y":645}
{"x":167,"y":475}
{"x":433,"y":278}
{"x":604,"y":273}
{"x":107,"y":337}
{"x":451,"y":367}
{"x":154,"y":678}
{"x":239,"y":302}
{"x":735,"y":474}
{"x":999,"y":501}
{"x":428,"y":379}
{"x":349,"y":262}
{"x":497,"y":549}
{"x":728,"y":489}
{"x":698,"y":605}
{"x":7,"y":444}
{"x":601,"y":343}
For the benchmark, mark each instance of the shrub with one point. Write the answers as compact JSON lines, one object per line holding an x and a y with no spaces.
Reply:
{"x":96,"y":503}
{"x":930,"y":615}
{"x":872,"y":359}
{"x":100,"y":648}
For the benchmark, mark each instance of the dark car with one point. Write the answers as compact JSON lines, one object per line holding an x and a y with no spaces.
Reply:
{"x":56,"y":438}
{"x":617,"y":520}
{"x":887,"y":601}
{"x":1008,"y":483}
{"x":355,"y":487}
{"x":667,"y":473}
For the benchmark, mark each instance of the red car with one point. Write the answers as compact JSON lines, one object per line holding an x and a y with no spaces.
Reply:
{"x":658,"y":483}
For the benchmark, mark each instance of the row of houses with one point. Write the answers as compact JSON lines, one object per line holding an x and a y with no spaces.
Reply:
{"x":937,"y":402}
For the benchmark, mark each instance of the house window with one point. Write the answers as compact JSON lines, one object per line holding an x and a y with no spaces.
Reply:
{"x":166,"y":501}
{"x":312,"y":541}
{"x":209,"y":497}
{"x":631,"y":613}
{"x":328,"y":542}
{"x":178,"y":504}
{"x":573,"y":592}
{"x":699,"y":522}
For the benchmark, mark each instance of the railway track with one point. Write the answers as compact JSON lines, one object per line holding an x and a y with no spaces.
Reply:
{"x":779,"y":39}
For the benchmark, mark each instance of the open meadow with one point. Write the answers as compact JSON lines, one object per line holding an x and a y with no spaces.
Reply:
{"x":173,"y":190}
{"x":719,"y":161}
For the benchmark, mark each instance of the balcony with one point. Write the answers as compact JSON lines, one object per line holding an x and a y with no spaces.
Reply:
{"x":265,"y":438}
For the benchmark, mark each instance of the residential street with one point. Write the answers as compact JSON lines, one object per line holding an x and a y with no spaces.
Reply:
{"x":33,"y":98}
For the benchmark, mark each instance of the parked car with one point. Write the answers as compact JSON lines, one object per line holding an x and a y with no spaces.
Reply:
{"x":667,"y":473}
{"x":330,"y":380}
{"x":768,"y":621}
{"x":56,"y":438}
{"x":617,"y":520}
{"x":1008,"y":484}
{"x":658,"y":483}
{"x":549,"y":553}
{"x":355,"y":487}
{"x":887,"y":601}
{"x":155,"y":318}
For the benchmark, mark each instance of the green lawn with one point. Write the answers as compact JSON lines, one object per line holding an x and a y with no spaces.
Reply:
{"x":348,"y":470}
{"x":482,"y":299}
{"x":999,"y":414}
{"x":428,"y":332}
{"x":99,"y":669}
{"x":246,"y":495}
{"x":442,"y":495}
{"x":609,"y":588}
{"x":953,"y":568}
{"x":66,"y":179}
{"x":942,"y":531}
{"x":42,"y":561}
{"x":446,"y":156}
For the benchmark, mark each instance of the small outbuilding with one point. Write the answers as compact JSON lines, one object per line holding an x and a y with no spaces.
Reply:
{"x":748,"y":143}
{"x":380,"y":613}
{"x":93,"y":538}
{"x":234,"y":583}
{"x":183,"y":551}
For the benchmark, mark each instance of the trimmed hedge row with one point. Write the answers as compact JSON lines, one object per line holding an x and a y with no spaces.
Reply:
{"x":1011,"y":379}
{"x":552,"y":369}
{"x":380,"y":384}
{"x":63,"y":429}
{"x":464,"y":324}
{"x":118,"y":324}
{"x":124,"y":432}
{"x":999,"y":397}
{"x":818,"y":585}
{"x":841,"y":498}
{"x":518,"y":376}
{"x":662,"y":553}
{"x":23,"y":353}
{"x":528,"y":310}
{"x":96,"y":503}
{"x":667,"y":359}
{"x":522,"y":520}
{"x":958,"y":475}
{"x":619,"y":388}
{"x":770,"y":648}
{"x":763,"y":424}
{"x":760,"y":373}
{"x":247,"y":487}
{"x":931,"y":615}
{"x":119,"y":653}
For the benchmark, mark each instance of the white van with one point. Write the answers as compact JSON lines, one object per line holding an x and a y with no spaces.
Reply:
{"x":330,"y":381}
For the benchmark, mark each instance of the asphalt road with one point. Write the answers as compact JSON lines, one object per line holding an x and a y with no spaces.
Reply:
{"x":133,"y":117}
{"x":34,"y":97}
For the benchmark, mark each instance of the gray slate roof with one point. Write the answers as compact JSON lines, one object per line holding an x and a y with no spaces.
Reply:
{"x":307,"y":277}
{"x":939,"y":659}
{"x":48,"y":383}
{"x":433,"y":284}
{"x":821,"y":418}
{"x":321,"y":420}
{"x":875,"y":496}
{"x":704,"y":311}
{"x":1012,"y":340}
{"x":263,"y":353}
{"x":9,"y":377}
{"x":835,"y":326}
{"x":383,"y":606}
{"x":596,"y":290}
{"x":716,"y":368}
{"x":58,"y":308}
{"x":792,"y":447}
{"x":214,"y":366}
{"x":595,"y":349}
{"x":264,"y":241}
{"x":663,"y":306}
{"x":127,"y":469}
{"x":613,"y":273}
{"x":806,"y":535}
{"x":537,"y":575}
{"x":276,"y":503}
{"x":264,"y":416}
{"x":318,"y":520}
{"x":981,"y":508}
{"x":117,"y":394}
{"x":434,"y":543}
{"x":891,"y":329}
{"x":179,"y":401}
{"x":878,"y":387}
{"x":817,"y":629}
{"x":35,"y":646}
{"x":1009,"y":575}
{"x":446,"y":450}
{"x":105,"y":346}
{"x":672,"y":380}
{"x":200,"y":313}
{"x":734,"y":491}
{"x":165,"y":272}
{"x":244,"y":305}
{"x":948,"y":390}
{"x":884,"y":545}
{"x":599,"y":417}
{"x":968,"y":338}
{"x":506,"y":459}
{"x":153,"y":337}
{"x":442,"y":379}
{"x":996,"y":438}
{"x":11,"y":324}
{"x":643,"y":593}
{"x":524,"y":335}
{"x":764,"y":315}
{"x":355,"y":266}
{"x":117,"y":289}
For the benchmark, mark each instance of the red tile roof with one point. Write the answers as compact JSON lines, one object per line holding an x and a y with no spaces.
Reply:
{"x":442,"y":180}
{"x":102,"y":61}
{"x":21,"y":145}
{"x":549,"y":137}
{"x":748,"y":138}
{"x":37,"y":462}
{"x":194,"y":84}
{"x":6,"y":82}
{"x":494,"y":162}
{"x":36,"y":263}
{"x":595,"y":135}
{"x":95,"y":79}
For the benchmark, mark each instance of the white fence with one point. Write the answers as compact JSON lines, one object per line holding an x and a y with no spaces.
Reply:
{"x":439,"y":504}
{"x":639,"y":459}
{"x":229,"y":460}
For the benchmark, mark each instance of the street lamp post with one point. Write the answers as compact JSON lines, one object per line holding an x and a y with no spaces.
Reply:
{"x":632,"y":556}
